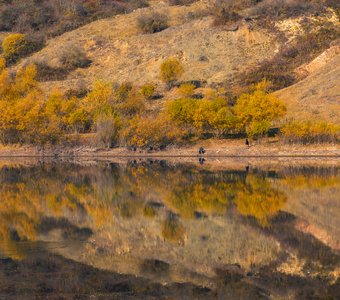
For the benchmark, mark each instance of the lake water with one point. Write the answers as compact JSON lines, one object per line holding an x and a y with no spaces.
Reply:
{"x":154,"y":229}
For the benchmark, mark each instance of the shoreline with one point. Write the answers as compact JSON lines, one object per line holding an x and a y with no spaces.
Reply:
{"x":214,"y":149}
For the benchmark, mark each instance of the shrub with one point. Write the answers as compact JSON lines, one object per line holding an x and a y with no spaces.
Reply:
{"x":149,"y":131}
{"x":227,"y":11}
{"x":107,"y":129}
{"x":186,"y":90}
{"x":80,"y":120}
{"x":222,"y":17}
{"x":173,"y":230}
{"x":148,"y":91}
{"x":309,"y":131}
{"x":73,"y":57}
{"x":153,"y":23}
{"x":122,"y":91}
{"x":170,"y":71}
{"x":48,"y":73}
{"x":14,"y":47}
{"x":2,"y":64}
{"x":132,"y":105}
{"x":149,"y":211}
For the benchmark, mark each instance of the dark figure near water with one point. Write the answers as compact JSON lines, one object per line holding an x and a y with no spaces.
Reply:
{"x":247,"y":142}
{"x":201,"y":160}
{"x":201,"y":150}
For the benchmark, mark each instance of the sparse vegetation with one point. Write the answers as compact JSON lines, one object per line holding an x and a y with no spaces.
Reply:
{"x":148,"y":91}
{"x":173,"y":230}
{"x":171,"y":70}
{"x":17,"y":45}
{"x":73,"y":57}
{"x":153,"y":23}
{"x":48,"y":73}
{"x":186,"y":90}
{"x":280,"y":69}
{"x":107,"y":127}
{"x":48,"y":18}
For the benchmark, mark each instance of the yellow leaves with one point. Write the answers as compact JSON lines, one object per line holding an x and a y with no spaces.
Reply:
{"x":170,"y":71}
{"x":6,"y":85}
{"x":186,"y":90}
{"x":148,"y":90}
{"x":257,"y":198}
{"x":203,"y":115}
{"x":143,"y":131}
{"x":258,"y":110}
{"x":14,"y":46}
{"x":26,"y":79}
{"x":2,"y":64}
{"x":101,"y":95}
{"x":308,"y":131}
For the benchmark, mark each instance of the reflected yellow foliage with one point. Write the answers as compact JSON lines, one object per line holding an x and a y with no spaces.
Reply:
{"x":313,"y":181}
{"x":257,"y":198}
{"x":187,"y":199}
{"x":99,"y":196}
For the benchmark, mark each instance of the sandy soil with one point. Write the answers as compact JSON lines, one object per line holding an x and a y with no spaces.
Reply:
{"x":214,"y":148}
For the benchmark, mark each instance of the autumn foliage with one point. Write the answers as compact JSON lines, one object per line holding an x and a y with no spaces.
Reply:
{"x":120,"y":115}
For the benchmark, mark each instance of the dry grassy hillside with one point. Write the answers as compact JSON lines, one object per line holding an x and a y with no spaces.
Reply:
{"x":120,"y":52}
{"x":318,"y":95}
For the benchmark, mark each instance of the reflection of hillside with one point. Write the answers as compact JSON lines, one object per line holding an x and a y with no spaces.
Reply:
{"x":313,"y":197}
{"x":131,"y":208}
{"x":190,"y":221}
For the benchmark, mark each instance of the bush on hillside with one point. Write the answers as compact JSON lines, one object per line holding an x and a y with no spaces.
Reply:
{"x":153,"y":23}
{"x":171,"y":71}
{"x":73,"y":57}
{"x":122,"y":91}
{"x":186,"y":90}
{"x":148,"y":91}
{"x":16,"y":46}
{"x":144,"y":131}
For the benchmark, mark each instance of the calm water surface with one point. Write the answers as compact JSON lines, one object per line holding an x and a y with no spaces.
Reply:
{"x":160,"y":230}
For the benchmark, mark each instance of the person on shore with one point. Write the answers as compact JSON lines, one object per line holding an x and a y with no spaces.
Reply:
{"x":201,"y":150}
{"x":247,"y":143}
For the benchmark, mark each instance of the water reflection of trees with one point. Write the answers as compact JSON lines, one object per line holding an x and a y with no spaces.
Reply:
{"x":93,"y":196}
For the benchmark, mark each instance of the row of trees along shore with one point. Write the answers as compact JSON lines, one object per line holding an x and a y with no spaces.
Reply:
{"x":120,"y":115}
